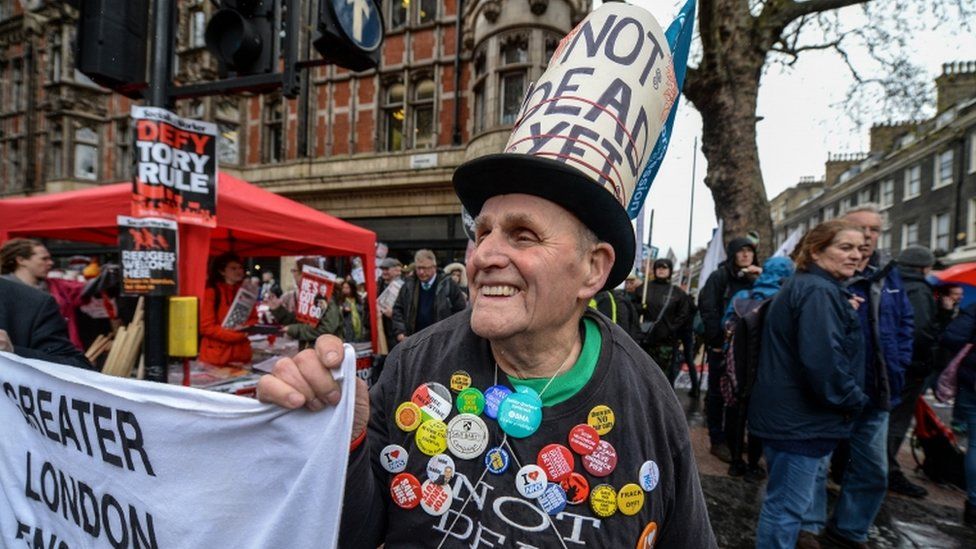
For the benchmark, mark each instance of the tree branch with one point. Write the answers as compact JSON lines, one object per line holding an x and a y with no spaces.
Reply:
{"x":780,"y":13}
{"x":794,"y":51}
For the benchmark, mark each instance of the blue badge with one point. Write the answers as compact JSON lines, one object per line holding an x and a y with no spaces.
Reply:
{"x":497,"y":460}
{"x":493,"y":399}
{"x":553,"y":500}
{"x":520,"y":414}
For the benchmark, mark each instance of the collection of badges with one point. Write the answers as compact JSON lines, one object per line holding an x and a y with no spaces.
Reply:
{"x":552,"y":481}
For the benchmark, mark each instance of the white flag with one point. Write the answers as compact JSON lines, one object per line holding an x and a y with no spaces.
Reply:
{"x":714,"y":255}
{"x":89,"y":460}
{"x":790,"y":243}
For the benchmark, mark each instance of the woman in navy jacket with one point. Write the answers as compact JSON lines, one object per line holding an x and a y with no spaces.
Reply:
{"x":809,"y":385}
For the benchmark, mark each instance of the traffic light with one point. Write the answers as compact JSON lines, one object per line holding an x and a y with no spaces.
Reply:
{"x":350,"y":33}
{"x":111,"y":44}
{"x":241,"y":35}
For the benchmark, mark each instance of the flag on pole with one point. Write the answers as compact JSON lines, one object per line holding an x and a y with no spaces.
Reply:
{"x":679,"y":41}
{"x":791,"y":241}
{"x":714,"y":255}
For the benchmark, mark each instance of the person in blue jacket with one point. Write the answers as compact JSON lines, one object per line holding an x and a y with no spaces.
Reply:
{"x":958,"y":333}
{"x":809,"y":387}
{"x":888,"y":326}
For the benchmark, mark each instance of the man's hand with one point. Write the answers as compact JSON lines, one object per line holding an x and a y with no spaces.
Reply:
{"x":855,"y":301}
{"x":306,"y":380}
{"x":753,"y":270}
{"x":387,"y":312}
{"x":6,"y":345}
{"x":401,"y":337}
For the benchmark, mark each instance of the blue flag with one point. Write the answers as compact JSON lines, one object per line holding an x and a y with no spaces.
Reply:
{"x":679,"y":40}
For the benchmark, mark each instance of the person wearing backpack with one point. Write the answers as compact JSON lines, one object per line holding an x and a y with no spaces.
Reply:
{"x":667,"y":311}
{"x":744,"y":319}
{"x":958,"y":333}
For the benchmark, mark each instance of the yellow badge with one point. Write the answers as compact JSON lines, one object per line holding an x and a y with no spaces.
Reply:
{"x":603,"y":500}
{"x":630,"y":499}
{"x":601,"y":418}
{"x":460,"y":380}
{"x":408,"y":416}
{"x":432,"y":437}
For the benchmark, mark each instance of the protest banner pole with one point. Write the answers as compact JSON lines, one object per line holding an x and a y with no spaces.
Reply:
{"x":691,"y":212}
{"x":159,"y":83}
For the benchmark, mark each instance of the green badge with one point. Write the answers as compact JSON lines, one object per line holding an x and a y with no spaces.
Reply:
{"x":470,"y":401}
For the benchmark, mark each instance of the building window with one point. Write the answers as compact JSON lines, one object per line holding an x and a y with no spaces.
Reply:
{"x":125,"y":159}
{"x":514,"y":52}
{"x":228,"y":139}
{"x":972,"y":152}
{"x":54,"y":45}
{"x":398,"y":13}
{"x":273,"y":139}
{"x":887,"y":193}
{"x":512,"y":92}
{"x":913,"y":182}
{"x":943,"y":169}
{"x":423,"y":114}
{"x":86,"y":153}
{"x":56,"y":150}
{"x":971,"y":225}
{"x":940,"y":232}
{"x":426,"y":11}
{"x":197,"y":29}
{"x":864,"y":196}
{"x":479,"y":108}
{"x":393,"y":117}
{"x":909,"y":234}
{"x":552,"y":42}
{"x":846,"y":204}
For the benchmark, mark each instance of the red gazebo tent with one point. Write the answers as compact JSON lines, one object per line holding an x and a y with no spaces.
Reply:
{"x":250,"y":221}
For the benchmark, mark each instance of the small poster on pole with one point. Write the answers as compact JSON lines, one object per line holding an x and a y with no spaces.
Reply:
{"x":176,"y":167}
{"x":388,"y":298}
{"x":314,"y":292}
{"x":148,"y":248}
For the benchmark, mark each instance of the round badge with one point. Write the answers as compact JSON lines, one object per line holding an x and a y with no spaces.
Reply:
{"x":493,"y":399}
{"x":583,"y":439}
{"x":431,"y":437}
{"x":553,"y":500}
{"x":497,"y":460}
{"x":408,"y":416}
{"x":648,"y":537}
{"x":405,"y":490}
{"x":440,"y":469}
{"x":630,"y":499}
{"x":467,"y":436}
{"x":470,"y":401}
{"x":649,"y":476}
{"x":520,"y":414}
{"x":434,"y":400}
{"x":603,"y":500}
{"x":435,"y":499}
{"x":556,"y":460}
{"x":602,"y":461}
{"x":601,"y":418}
{"x":531,"y":481}
{"x":576,"y":487}
{"x":393,"y":458}
{"x":460,"y":380}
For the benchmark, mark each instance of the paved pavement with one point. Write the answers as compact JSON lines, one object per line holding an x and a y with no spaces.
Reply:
{"x":733,"y":503}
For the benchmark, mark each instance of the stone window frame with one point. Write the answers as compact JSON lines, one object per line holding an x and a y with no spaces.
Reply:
{"x":80,"y":142}
{"x":55,"y":47}
{"x":390,"y":109}
{"x":418,"y":105}
{"x":909,"y":179}
{"x":409,"y":15}
{"x":124,"y":148}
{"x":514,"y":69}
{"x":273,"y":129}
{"x":55,"y":148}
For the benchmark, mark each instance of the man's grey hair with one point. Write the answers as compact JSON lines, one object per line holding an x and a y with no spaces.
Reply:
{"x":869,"y":207}
{"x":425,"y":254}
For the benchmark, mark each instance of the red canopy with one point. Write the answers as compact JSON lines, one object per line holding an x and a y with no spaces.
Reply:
{"x":250,"y":221}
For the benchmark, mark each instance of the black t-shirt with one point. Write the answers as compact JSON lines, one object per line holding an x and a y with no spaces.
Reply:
{"x":486,"y":509}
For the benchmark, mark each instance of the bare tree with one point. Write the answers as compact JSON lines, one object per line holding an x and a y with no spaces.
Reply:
{"x":740,"y":38}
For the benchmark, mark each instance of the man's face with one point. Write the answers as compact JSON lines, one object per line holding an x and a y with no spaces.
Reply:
{"x":426,"y":269}
{"x":744,"y":257}
{"x":870,"y":224}
{"x":386,"y":273}
{"x":632,"y":284}
{"x":953,"y":298}
{"x":39,"y":264}
{"x":527,"y":273}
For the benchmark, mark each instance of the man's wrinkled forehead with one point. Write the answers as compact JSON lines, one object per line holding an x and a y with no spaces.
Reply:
{"x":865,"y":220}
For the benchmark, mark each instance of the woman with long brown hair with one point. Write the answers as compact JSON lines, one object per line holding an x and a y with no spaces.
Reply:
{"x":218,"y":345}
{"x":809,"y":384}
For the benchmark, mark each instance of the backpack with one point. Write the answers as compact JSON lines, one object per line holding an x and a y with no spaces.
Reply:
{"x":743,"y":337}
{"x":942,"y":460}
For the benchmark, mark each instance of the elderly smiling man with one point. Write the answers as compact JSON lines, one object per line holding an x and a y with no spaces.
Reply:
{"x":529,"y":420}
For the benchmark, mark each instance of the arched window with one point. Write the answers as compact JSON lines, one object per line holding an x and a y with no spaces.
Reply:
{"x":393,"y":117}
{"x":423,"y":114}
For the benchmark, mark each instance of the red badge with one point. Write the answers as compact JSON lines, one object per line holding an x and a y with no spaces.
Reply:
{"x":602,"y":461}
{"x":557,"y":461}
{"x":583,"y":439}
{"x":405,"y":490}
{"x":576,"y":487}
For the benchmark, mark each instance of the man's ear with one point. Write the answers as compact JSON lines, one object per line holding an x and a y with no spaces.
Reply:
{"x":599,"y":261}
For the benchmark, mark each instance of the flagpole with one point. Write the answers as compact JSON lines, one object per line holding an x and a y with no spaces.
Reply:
{"x":691,"y":212}
{"x":647,"y":263}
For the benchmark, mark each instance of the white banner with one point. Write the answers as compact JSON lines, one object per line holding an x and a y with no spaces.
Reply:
{"x":714,"y":255}
{"x":89,"y":460}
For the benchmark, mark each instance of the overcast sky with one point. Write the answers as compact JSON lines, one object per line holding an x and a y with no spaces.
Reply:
{"x":802,"y":123}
